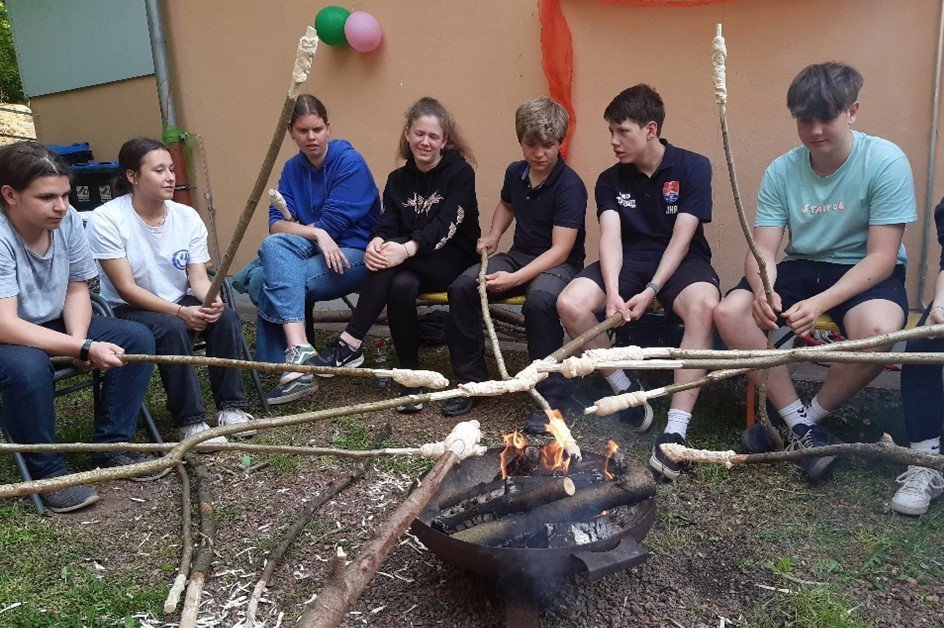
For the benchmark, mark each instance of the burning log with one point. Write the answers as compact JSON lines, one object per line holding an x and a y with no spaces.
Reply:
{"x":552,"y":489}
{"x":630,"y":489}
{"x":484,"y":489}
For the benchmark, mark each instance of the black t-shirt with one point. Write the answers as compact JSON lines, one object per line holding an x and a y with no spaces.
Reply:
{"x":648,"y":207}
{"x":559,"y":201}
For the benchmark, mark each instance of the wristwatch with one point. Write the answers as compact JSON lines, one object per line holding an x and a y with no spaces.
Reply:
{"x":84,"y":351}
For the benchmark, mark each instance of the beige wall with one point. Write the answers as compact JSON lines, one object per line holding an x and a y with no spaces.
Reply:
{"x":103,"y":115}
{"x":231,"y":69}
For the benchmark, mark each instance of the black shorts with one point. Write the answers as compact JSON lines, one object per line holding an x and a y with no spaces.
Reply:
{"x":635,"y":274}
{"x":798,"y":280}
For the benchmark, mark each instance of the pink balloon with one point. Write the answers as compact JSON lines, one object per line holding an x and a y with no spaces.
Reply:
{"x":362,"y":31}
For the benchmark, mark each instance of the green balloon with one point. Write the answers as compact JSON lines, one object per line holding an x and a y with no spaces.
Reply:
{"x":329,"y":23}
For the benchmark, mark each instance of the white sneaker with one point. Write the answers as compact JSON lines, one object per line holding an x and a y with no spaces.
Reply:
{"x":919,"y":485}
{"x":235,"y":416}
{"x":193,"y":429}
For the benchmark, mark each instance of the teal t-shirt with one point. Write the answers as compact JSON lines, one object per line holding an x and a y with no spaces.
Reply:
{"x":829,"y":217}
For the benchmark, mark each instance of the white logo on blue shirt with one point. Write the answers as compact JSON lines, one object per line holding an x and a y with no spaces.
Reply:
{"x":625,"y":199}
{"x":180,"y":259}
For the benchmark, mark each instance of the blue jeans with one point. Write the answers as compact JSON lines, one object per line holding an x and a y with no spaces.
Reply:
{"x":296,"y":273}
{"x":172,"y":337}
{"x":26,"y":386}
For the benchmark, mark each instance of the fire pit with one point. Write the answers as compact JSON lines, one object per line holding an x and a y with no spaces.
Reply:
{"x":541,"y":524}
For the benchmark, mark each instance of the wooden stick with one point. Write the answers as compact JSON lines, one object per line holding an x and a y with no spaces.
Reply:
{"x":186,"y":542}
{"x":632,"y":488}
{"x":340,"y":592}
{"x":289,"y":537}
{"x":490,"y":328}
{"x":201,"y":563}
{"x":551,"y":490}
{"x":359,"y":454}
{"x":307,"y":46}
{"x":885,"y":449}
{"x":719,"y":56}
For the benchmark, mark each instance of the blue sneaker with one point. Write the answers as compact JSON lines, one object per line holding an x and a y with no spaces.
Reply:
{"x":803,"y":437}
{"x":756,"y":440}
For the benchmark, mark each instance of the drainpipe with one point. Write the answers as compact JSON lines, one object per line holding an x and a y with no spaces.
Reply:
{"x":159,"y":53}
{"x":932,"y":154}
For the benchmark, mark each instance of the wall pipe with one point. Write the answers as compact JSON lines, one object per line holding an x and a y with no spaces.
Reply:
{"x":932,"y":158}
{"x":161,"y":73}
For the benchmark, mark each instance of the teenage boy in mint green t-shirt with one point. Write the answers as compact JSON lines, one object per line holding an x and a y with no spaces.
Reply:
{"x":845,"y":198}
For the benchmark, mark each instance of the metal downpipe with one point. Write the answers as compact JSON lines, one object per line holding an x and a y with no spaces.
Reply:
{"x":161,"y":73}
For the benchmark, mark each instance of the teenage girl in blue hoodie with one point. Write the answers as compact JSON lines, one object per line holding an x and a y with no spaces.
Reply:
{"x":334,"y":203}
{"x":425,"y":238}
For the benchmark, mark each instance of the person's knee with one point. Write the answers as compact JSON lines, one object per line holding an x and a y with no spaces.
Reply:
{"x":700,"y":312}
{"x":32,"y":373}
{"x":404,"y":289}
{"x":462,"y":288}
{"x":539,"y":302}
{"x":570,"y":305}
{"x":729,"y":312}
{"x":276,"y":246}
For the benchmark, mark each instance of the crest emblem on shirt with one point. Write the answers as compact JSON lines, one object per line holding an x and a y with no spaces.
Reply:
{"x":625,"y":199}
{"x":422,"y":205}
{"x":180,"y":258}
{"x":670,"y":191}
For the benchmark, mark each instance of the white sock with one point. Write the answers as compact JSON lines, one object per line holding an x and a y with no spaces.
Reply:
{"x":930,"y":446}
{"x":618,"y":381}
{"x":814,"y":411}
{"x":678,"y":422}
{"x":795,"y":414}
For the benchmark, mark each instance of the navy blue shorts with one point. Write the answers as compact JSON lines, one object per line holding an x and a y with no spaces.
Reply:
{"x":635,"y":274}
{"x":798,"y":280}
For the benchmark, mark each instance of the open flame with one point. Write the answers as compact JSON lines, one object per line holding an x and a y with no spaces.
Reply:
{"x":552,"y":454}
{"x":514,"y":447}
{"x":613,"y":448}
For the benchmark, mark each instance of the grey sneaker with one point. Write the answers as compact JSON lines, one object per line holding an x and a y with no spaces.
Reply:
{"x":298,"y":355}
{"x":293,"y":391}
{"x":69,"y":499}
{"x":123,"y":459}
{"x":186,"y":431}
{"x":236,"y":416}
{"x":919,"y":485}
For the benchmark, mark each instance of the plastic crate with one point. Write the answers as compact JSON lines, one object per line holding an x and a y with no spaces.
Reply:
{"x":77,"y":153}
{"x":93,"y":184}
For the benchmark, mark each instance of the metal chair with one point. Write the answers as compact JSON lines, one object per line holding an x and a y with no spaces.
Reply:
{"x":89,"y":379}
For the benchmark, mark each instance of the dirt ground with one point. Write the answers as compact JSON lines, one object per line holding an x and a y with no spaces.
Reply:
{"x":742,"y":547}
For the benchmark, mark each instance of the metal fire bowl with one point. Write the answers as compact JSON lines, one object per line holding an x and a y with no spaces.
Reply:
{"x":596,"y":559}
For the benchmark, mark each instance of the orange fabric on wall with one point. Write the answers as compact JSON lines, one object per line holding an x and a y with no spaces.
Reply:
{"x":557,"y":51}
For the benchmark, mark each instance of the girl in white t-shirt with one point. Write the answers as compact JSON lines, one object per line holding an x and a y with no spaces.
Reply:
{"x":153,"y":252}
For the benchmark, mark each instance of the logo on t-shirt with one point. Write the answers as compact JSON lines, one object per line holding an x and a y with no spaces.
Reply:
{"x":815,"y":210}
{"x":625,"y":199}
{"x":180,"y":259}
{"x":670,"y":191}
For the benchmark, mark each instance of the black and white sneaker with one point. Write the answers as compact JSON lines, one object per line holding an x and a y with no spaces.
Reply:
{"x":410,"y":408}
{"x":338,"y":354}
{"x":660,"y":463}
{"x":639,"y":417}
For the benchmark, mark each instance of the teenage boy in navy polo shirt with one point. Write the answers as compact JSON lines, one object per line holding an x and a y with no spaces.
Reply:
{"x":651,"y":206}
{"x":845,"y":197}
{"x":548,"y":201}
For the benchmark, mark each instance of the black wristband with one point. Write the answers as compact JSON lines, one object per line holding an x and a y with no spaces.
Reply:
{"x":84,"y":351}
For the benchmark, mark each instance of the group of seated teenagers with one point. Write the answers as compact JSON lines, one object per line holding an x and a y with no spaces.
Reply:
{"x":844,"y":196}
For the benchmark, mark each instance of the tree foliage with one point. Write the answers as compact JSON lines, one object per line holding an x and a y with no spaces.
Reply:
{"x":11,"y":87}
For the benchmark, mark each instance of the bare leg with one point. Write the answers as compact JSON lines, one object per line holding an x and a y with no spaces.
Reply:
{"x":295,"y":334}
{"x":739,"y":331}
{"x":577,"y":306}
{"x":871,"y":318}
{"x":695,"y":305}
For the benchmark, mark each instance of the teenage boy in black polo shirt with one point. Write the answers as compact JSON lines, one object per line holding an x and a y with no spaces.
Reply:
{"x":651,"y":207}
{"x":548,"y":201}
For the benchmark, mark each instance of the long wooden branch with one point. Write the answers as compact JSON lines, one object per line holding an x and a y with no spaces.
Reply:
{"x":346,"y":585}
{"x":186,"y":542}
{"x":884,"y":450}
{"x":201,"y":563}
{"x":719,"y":56}
{"x":307,"y":46}
{"x":357,"y":454}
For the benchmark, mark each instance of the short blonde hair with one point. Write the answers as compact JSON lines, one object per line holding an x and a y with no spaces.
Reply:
{"x":541,"y":120}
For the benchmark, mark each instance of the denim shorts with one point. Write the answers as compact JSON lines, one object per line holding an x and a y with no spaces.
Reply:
{"x":798,"y":280}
